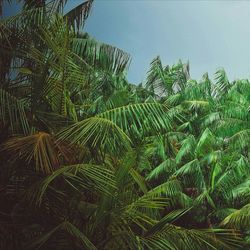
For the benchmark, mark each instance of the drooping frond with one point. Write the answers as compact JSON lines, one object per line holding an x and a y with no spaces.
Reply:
{"x":40,"y":149}
{"x":169,"y":188}
{"x":67,"y":228}
{"x":157,"y":81}
{"x":206,"y":143}
{"x":166,"y":81}
{"x":222,"y":83}
{"x":142,"y":117}
{"x":78,"y":15}
{"x":240,"y":139}
{"x":239,"y":219}
{"x":192,"y":239}
{"x":13,"y":111}
{"x":242,"y":192}
{"x":101,"y":56}
{"x":163,"y":170}
{"x":96,"y":131}
{"x":80,"y":177}
{"x":191,"y":172}
{"x":187,"y":148}
{"x":236,"y":174}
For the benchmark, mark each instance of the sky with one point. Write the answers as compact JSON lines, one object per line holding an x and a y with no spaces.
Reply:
{"x":210,"y":34}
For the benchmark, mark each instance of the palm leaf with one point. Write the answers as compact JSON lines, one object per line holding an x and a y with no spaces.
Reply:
{"x":239,"y":219}
{"x":14,"y":111}
{"x":41,"y":148}
{"x":165,"y":168}
{"x":77,"y":16}
{"x":101,"y":56}
{"x":69,"y":228}
{"x":96,"y":131}
{"x":144,"y":117}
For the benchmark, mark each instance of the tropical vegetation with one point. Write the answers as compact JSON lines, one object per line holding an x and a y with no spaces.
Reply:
{"x":91,"y":161}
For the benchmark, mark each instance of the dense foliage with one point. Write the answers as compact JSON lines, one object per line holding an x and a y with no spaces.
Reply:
{"x":90,"y":161}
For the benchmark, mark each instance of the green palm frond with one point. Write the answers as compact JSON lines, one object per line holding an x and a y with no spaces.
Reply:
{"x":139,"y":180}
{"x":205,"y":197}
{"x":222,"y":83}
{"x":22,"y":21}
{"x":196,"y":104}
{"x":101,"y":56}
{"x":232,"y":179}
{"x":222,"y":213}
{"x":216,"y":170}
{"x":239,"y":219}
{"x":169,"y":188}
{"x":14,"y":111}
{"x":206,"y":143}
{"x":211,"y":118}
{"x":157,"y":81}
{"x":80,"y":176}
{"x":68,"y":228}
{"x":242,"y":192}
{"x":119,"y":165}
{"x":192,"y":173}
{"x":240,"y":139}
{"x":187,"y":148}
{"x":96,"y":131}
{"x":193,"y":239}
{"x":163,"y":170}
{"x":144,"y":117}
{"x":169,"y":218}
{"x":165,"y":81}
{"x":78,"y":15}
{"x":40,"y":149}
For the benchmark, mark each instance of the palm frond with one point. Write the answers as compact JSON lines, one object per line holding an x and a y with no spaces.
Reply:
{"x":41,"y":149}
{"x":222,"y":83}
{"x":14,"y":111}
{"x":193,"y":239}
{"x":206,"y":143}
{"x":143,"y":117}
{"x":101,"y":56}
{"x":69,"y":228}
{"x":187,"y":148}
{"x":78,"y":15}
{"x":163,"y":170}
{"x":169,"y":188}
{"x":80,"y":176}
{"x":239,"y":219}
{"x":96,"y":131}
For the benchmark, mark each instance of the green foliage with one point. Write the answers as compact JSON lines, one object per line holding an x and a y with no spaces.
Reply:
{"x":90,"y":161}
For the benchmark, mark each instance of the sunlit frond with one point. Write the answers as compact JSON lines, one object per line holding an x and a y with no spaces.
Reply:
{"x":96,"y":131}
{"x":40,"y":149}
{"x":239,"y":219}
{"x":143,"y":117}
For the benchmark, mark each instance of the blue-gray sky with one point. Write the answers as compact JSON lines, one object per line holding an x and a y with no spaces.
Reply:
{"x":210,"y":34}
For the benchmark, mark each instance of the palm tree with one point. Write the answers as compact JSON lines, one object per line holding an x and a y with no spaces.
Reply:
{"x":210,"y":156}
{"x":78,"y":141}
